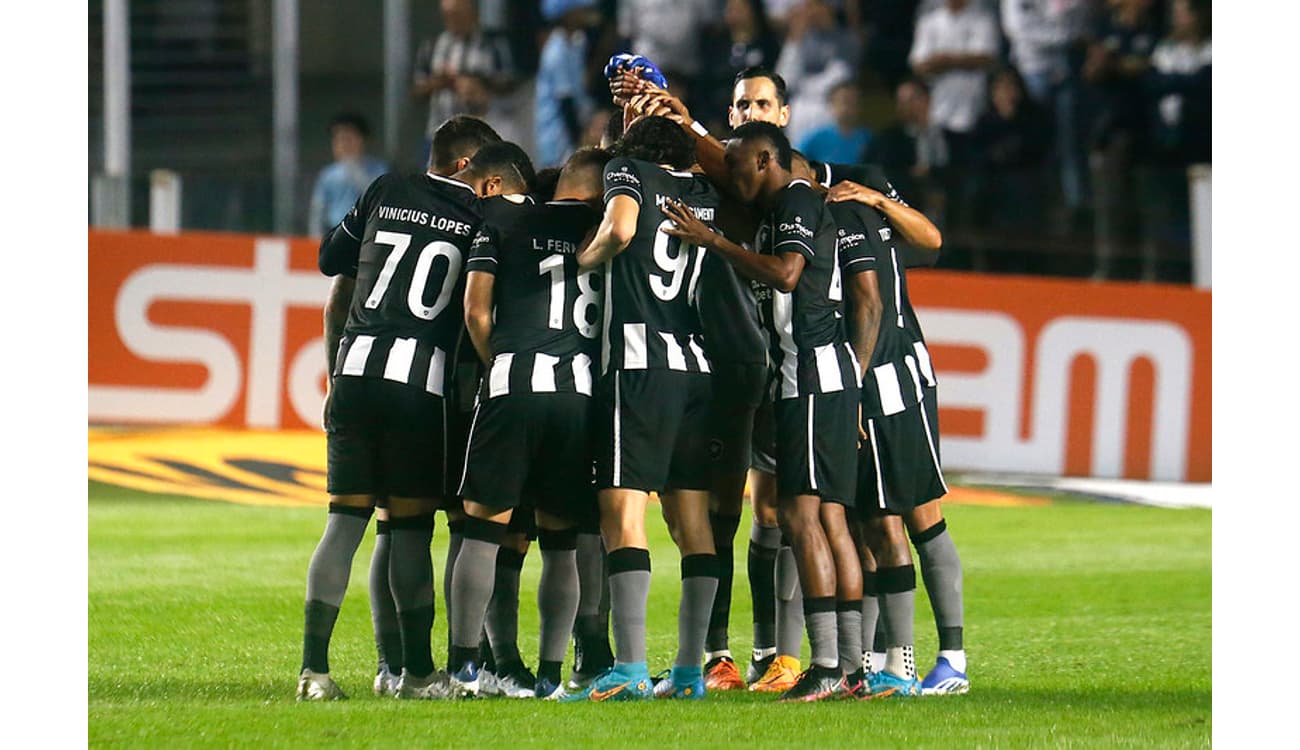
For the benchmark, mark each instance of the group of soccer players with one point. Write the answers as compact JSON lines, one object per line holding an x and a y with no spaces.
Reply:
{"x":734,"y":312}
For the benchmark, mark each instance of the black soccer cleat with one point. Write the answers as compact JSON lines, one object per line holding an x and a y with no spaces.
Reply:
{"x":815,"y":684}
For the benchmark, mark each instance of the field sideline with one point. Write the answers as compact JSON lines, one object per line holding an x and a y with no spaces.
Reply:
{"x":1088,"y":625}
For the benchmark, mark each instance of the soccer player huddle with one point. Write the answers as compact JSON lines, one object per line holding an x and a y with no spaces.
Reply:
{"x":535,"y":354}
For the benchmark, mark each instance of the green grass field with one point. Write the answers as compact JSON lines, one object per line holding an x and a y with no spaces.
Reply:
{"x":1087,"y":625}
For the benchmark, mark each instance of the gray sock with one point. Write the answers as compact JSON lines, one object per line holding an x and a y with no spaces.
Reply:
{"x":941,"y":571}
{"x":327,"y":582}
{"x":455,"y":537}
{"x":897,"y":611}
{"x":629,"y":592}
{"x":410,"y":574}
{"x":383,"y":613}
{"x":503,"y":609}
{"x":870,"y":616}
{"x":823,"y":632}
{"x":848,"y":623}
{"x":471,"y":589}
{"x":789,"y":605}
{"x":699,"y":589}
{"x":557,"y":602}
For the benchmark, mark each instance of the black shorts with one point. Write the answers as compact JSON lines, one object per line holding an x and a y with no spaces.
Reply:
{"x":817,"y":446}
{"x":762,"y":454}
{"x":898,"y":466}
{"x":386,"y":438}
{"x":652,"y":430}
{"x":531,"y":451}
{"x":737,"y":391}
{"x":464,"y":389}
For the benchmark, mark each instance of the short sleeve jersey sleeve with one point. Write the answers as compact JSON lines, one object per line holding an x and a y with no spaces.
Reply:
{"x":794,"y":221}
{"x":622,"y":178}
{"x":853,"y":240}
{"x":483,"y":251}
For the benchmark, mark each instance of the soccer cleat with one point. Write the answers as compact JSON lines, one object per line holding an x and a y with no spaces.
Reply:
{"x":516,"y":682}
{"x":317,"y":686}
{"x":722,"y":674}
{"x":386,"y":682}
{"x":589,"y":662}
{"x":815,"y":684}
{"x":680,"y":682}
{"x":855,"y":687}
{"x":548,"y":691}
{"x":944,"y":680}
{"x":887,"y":684}
{"x":624,"y":682}
{"x":437,"y":686}
{"x":466,"y":681}
{"x":758,"y":668}
{"x":780,"y":676}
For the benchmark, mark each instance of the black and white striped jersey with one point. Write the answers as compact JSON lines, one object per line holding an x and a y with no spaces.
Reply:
{"x":547,"y":311}
{"x":651,"y":322}
{"x":807,"y":342}
{"x":894,"y":377}
{"x":406,"y":240}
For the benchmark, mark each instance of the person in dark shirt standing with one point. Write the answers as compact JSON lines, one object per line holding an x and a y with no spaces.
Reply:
{"x":405,"y":241}
{"x":815,"y":378}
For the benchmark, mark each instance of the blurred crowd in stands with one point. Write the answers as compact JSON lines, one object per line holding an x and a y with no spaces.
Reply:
{"x":1042,"y":136}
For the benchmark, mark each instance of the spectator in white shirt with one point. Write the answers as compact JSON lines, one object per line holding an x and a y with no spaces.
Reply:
{"x":954,"y":48}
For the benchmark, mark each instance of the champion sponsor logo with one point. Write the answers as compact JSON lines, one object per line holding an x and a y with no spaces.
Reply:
{"x":622,"y":176}
{"x":797,"y":228}
{"x":851,"y":240}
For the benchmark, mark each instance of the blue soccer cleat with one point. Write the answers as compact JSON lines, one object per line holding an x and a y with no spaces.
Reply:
{"x":944,"y":680}
{"x":887,"y":685}
{"x":625,"y":682}
{"x":466,"y":680}
{"x":682,"y":682}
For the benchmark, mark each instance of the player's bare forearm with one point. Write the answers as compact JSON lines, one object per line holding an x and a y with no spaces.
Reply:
{"x":478,"y":312}
{"x":780,"y":272}
{"x":865,"y":311}
{"x":614,"y":233}
{"x":914,"y":226}
{"x":336,"y":316}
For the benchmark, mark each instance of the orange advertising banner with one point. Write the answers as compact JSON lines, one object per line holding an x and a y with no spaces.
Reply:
{"x":1035,"y":375}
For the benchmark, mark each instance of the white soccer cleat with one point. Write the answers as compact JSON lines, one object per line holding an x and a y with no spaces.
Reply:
{"x":386,"y":683}
{"x":317,"y":686}
{"x":436,"y":686}
{"x":513,"y":686}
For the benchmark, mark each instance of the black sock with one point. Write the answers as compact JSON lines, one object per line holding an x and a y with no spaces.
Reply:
{"x":763,"y":544}
{"x":383,"y":613}
{"x":503,"y":610}
{"x":724,"y":540}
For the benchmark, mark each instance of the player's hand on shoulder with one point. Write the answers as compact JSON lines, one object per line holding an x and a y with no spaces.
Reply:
{"x":847,"y":190}
{"x":686,"y":225}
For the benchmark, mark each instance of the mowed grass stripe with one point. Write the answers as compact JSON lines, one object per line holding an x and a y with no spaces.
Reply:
{"x":1088,"y":625}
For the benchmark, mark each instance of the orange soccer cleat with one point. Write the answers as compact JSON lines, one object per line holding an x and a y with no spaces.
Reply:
{"x":722,"y":674}
{"x":780,"y":676}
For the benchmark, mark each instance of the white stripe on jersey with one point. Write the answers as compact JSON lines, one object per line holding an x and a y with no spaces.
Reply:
{"x":698,"y":351}
{"x":891,"y":393}
{"x":609,"y":317}
{"x":358,"y":353}
{"x":782,"y":312}
{"x":437,"y":373}
{"x":812,"y":462}
{"x":828,"y":368}
{"x":400,"y":357}
{"x":916,"y":379}
{"x":499,"y":376}
{"x":875,"y":458}
{"x":634,"y":350}
{"x":469,"y":440}
{"x":543,"y":379}
{"x":676,"y":357}
{"x":898,"y":287}
{"x":618,"y":436}
{"x":582,"y":374}
{"x":857,"y":365}
{"x":923,"y":357}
